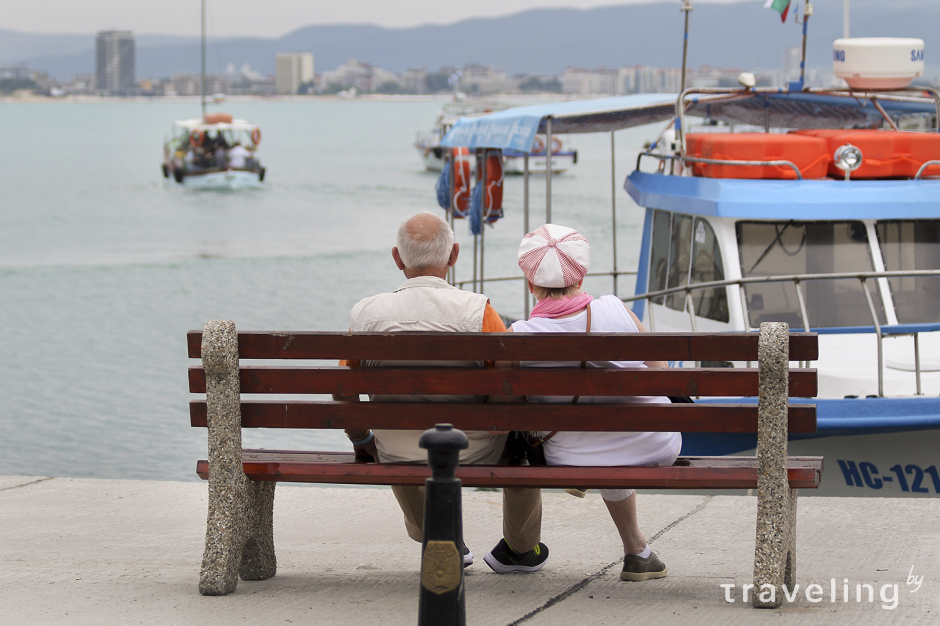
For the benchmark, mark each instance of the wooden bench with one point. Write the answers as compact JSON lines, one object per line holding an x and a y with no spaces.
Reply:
{"x":239,"y":538}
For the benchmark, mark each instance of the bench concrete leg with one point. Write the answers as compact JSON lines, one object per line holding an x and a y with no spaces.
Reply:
{"x":258,"y":560}
{"x":775,"y":553}
{"x":789,"y":575}
{"x":240,"y":512}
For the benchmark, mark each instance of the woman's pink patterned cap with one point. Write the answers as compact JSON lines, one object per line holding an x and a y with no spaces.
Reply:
{"x":554,"y":256}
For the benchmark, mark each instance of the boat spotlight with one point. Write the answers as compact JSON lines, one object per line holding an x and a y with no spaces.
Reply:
{"x":847,"y":158}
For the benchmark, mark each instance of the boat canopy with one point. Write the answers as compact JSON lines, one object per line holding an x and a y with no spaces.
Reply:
{"x":516,"y":128}
{"x":198,"y":124}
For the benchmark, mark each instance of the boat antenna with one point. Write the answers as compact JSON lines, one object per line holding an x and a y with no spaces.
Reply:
{"x":202,"y":75}
{"x":687,"y":8}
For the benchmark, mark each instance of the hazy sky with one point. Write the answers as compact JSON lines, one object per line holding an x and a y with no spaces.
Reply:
{"x":265,"y":18}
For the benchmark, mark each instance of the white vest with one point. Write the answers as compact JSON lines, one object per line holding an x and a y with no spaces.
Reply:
{"x":425,"y":303}
{"x":422,"y":303}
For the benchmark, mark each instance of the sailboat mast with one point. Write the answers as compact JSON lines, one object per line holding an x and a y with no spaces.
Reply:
{"x":202,"y":75}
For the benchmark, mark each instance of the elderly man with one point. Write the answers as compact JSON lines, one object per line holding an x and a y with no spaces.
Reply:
{"x":425,"y":251}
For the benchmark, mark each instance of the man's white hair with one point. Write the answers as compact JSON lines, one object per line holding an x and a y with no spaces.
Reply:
{"x":422,"y":248}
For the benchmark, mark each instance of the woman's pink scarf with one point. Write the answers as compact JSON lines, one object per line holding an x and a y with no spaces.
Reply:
{"x":561,"y":306}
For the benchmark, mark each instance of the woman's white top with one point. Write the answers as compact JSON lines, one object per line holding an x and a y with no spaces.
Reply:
{"x":608,"y":314}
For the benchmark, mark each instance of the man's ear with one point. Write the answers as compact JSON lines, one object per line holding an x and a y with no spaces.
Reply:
{"x":454,"y":253}
{"x":397,"y":257}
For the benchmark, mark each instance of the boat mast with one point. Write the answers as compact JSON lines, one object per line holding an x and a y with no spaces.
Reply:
{"x":687,"y":7}
{"x":845,"y":19}
{"x":807,"y":12}
{"x":202,"y":76}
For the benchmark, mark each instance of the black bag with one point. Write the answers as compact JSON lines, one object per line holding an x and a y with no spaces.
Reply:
{"x":519,"y":450}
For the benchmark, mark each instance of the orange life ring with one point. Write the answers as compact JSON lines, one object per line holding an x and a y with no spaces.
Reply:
{"x":538,"y":144}
{"x":256,"y":135}
{"x":556,"y":145}
{"x":460,"y":162}
{"x":196,"y":137}
{"x":493,"y":192}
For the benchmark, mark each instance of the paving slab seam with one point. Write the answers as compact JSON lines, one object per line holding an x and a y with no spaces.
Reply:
{"x":604,"y":570}
{"x":40,"y":480}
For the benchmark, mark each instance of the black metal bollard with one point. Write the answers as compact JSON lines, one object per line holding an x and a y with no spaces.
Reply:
{"x":442,"y":601}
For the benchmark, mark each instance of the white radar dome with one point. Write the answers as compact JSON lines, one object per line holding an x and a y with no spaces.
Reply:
{"x":878,"y":62}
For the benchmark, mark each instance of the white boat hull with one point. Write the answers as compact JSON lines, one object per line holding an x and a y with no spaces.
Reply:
{"x":227,"y":179}
{"x":874,"y":464}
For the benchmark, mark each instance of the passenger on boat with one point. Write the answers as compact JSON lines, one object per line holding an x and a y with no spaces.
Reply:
{"x":425,"y":251}
{"x":213,"y":148}
{"x":238,"y":156}
{"x":554,"y":260}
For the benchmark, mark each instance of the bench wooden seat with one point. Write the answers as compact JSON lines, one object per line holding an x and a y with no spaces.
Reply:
{"x":345,"y":468}
{"x":302,"y":366}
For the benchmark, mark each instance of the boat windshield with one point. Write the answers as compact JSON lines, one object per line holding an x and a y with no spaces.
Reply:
{"x":685,"y":251}
{"x":818,"y":247}
{"x":912,"y":245}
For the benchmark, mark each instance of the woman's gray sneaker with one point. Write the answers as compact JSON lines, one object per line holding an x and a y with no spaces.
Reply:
{"x":636,"y":568}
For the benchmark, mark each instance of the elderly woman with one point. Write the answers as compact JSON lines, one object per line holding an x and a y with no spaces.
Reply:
{"x":555,"y":260}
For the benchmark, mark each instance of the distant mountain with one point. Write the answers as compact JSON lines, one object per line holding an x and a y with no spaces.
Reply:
{"x":541,"y":41}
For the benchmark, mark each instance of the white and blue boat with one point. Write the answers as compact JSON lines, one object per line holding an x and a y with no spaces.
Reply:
{"x":824,"y":213}
{"x":428,"y":144}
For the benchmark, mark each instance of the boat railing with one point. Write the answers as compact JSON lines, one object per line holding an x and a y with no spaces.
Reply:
{"x":673,"y":158}
{"x":905,"y":94}
{"x":923,"y":167}
{"x":477,"y":284}
{"x":881,"y":331}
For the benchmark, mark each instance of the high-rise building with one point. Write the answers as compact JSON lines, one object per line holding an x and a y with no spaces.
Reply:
{"x":114,"y":62}
{"x":291,"y":70}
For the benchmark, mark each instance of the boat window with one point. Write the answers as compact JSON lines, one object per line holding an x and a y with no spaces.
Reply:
{"x":912,"y":245}
{"x":683,"y":252}
{"x":790,"y":247}
{"x":707,"y":267}
{"x":659,"y":264}
{"x":680,"y":243}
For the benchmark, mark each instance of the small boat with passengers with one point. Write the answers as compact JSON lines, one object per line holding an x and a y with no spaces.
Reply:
{"x":815,"y":207}
{"x":216,"y":151}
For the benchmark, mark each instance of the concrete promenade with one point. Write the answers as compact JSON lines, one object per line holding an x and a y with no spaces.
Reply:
{"x":80,"y":551}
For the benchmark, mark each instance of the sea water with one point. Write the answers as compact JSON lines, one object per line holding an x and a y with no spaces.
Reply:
{"x":104,"y":264}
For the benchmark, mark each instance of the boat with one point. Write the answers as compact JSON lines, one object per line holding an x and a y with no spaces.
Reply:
{"x":432,"y":155}
{"x":827,"y":218}
{"x":215,"y":151}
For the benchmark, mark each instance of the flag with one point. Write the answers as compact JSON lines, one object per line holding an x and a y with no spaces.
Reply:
{"x":781,"y":6}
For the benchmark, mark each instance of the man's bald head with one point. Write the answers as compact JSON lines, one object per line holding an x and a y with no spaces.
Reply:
{"x":425,"y":246}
